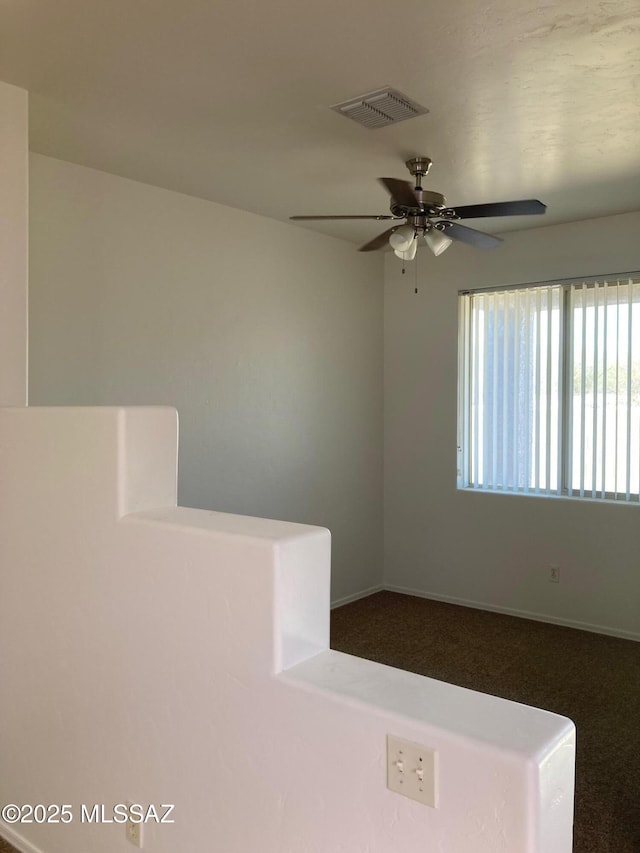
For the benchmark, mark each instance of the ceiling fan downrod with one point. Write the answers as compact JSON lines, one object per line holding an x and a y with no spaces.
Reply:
{"x":418,"y":167}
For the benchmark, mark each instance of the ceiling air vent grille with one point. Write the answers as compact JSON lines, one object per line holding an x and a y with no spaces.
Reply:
{"x":380,"y":108}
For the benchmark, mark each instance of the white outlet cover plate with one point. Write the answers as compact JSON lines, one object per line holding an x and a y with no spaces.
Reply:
{"x":412,"y":770}
{"x":135,"y":833}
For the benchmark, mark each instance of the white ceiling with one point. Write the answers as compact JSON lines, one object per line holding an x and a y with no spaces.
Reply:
{"x":229,"y":99}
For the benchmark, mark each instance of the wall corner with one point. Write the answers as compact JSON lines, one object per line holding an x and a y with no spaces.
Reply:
{"x":14,"y":241}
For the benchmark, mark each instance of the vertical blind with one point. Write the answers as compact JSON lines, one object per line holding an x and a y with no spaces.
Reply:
{"x":549,"y":381}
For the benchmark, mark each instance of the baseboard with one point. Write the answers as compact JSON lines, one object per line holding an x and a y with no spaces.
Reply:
{"x":9,"y":834}
{"x":522,"y":614}
{"x":362,"y":594}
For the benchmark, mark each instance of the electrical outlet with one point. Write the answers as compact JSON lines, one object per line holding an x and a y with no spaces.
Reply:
{"x":554,"y":574}
{"x":412,"y":771}
{"x":135,"y":832}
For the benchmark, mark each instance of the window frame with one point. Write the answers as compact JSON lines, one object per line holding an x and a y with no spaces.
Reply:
{"x":464,"y":474}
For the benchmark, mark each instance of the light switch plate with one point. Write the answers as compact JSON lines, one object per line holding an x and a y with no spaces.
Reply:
{"x":412,"y":771}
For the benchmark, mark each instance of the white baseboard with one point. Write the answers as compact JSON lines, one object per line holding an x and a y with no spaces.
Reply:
{"x":522,"y":614}
{"x":9,"y":834}
{"x":362,"y":594}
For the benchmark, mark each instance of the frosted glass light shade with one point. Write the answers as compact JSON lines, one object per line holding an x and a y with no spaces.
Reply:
{"x":402,"y":238}
{"x":410,"y":253}
{"x":437,"y":241}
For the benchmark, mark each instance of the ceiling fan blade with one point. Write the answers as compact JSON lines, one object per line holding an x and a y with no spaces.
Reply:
{"x":401,"y":192}
{"x":469,"y":235}
{"x":526,"y":207}
{"x":342,"y":217}
{"x":379,"y":241}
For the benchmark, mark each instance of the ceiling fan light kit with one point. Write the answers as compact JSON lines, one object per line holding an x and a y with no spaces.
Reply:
{"x":437,"y":241}
{"x":409,"y":253}
{"x":426,"y":213}
{"x":402,"y":238}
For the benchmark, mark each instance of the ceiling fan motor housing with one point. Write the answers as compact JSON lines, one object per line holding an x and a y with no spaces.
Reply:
{"x":432,"y":203}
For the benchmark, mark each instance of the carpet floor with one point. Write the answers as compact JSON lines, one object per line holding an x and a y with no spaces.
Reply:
{"x":590,"y":678}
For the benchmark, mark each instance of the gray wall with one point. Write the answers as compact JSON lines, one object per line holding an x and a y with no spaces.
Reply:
{"x":267,"y":338}
{"x":491,"y":549}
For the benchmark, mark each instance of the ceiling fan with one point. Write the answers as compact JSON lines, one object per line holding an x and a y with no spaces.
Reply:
{"x":426,"y":214}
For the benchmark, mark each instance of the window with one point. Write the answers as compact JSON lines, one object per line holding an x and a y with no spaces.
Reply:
{"x":549,"y":389}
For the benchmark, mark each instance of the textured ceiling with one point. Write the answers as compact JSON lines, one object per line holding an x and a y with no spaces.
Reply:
{"x":229,"y":99}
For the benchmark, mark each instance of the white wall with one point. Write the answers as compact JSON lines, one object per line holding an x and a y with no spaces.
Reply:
{"x":14,"y":190}
{"x":267,"y":338}
{"x":495,"y":550}
{"x":142,"y":649}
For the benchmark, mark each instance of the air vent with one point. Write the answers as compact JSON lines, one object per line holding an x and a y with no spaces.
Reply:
{"x":380,"y":108}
